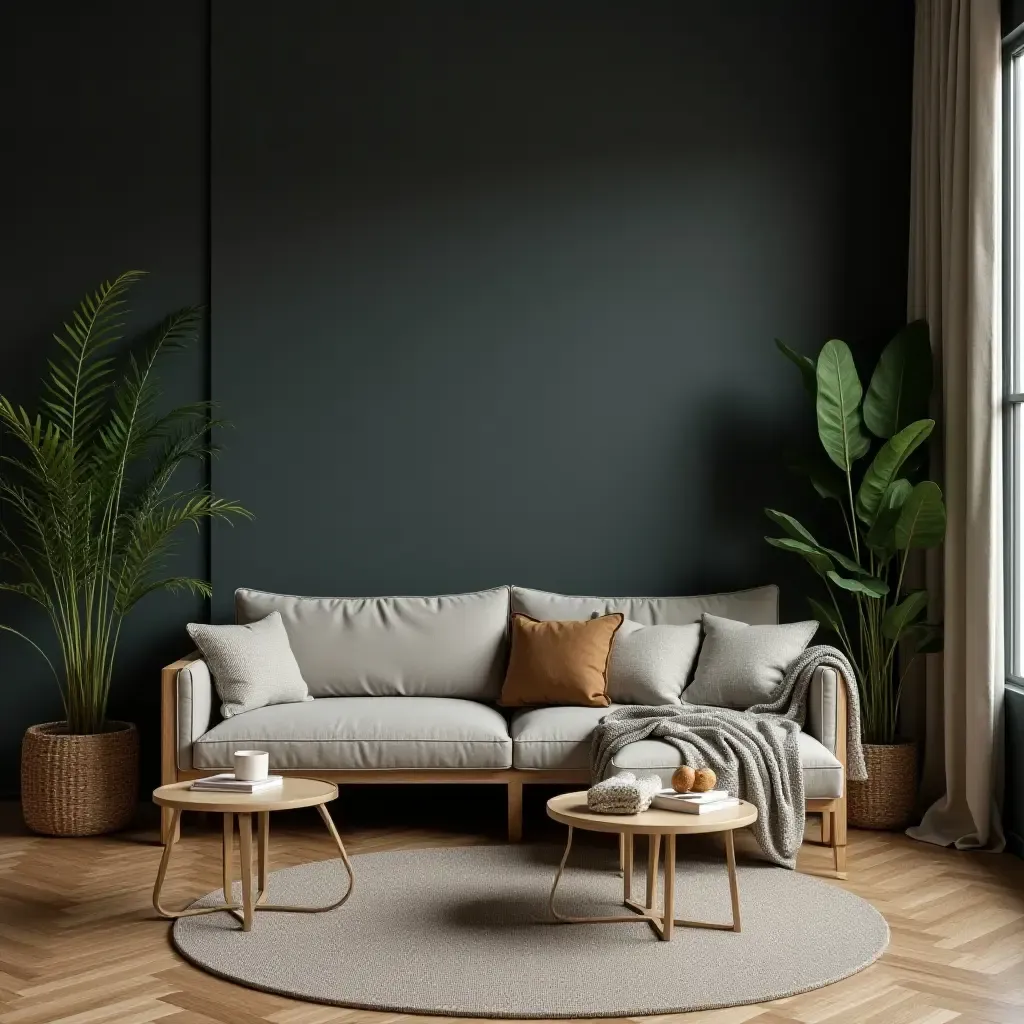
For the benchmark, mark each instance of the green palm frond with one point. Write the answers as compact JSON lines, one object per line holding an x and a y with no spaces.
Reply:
{"x":88,"y":488}
{"x":75,"y":394}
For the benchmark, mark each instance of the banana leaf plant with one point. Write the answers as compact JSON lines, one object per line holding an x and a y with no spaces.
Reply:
{"x":872,"y":475}
{"x":87,"y":488}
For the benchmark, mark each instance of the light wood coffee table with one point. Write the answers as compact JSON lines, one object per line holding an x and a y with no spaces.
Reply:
{"x":292,"y":794}
{"x":571,"y":809}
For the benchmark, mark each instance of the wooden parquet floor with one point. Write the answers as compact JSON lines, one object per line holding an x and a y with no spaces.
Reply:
{"x":80,"y":944}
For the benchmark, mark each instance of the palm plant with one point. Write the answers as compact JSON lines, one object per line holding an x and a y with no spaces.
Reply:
{"x":92,"y":511}
{"x":887,"y":512}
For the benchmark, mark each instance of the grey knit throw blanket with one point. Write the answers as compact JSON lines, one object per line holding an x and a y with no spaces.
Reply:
{"x":754,"y":753}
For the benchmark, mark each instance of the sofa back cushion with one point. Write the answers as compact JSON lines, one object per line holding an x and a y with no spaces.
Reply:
{"x":450,"y":646}
{"x":758,"y":607}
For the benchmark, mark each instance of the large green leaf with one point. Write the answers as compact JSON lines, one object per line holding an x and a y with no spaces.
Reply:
{"x":901,"y":615}
{"x":922,"y":521}
{"x":846,"y":562}
{"x":880,"y":537}
{"x":870,"y":586}
{"x":819,"y":561}
{"x":838,"y":405}
{"x":901,"y":385}
{"x":804,"y":364}
{"x":793,"y":527}
{"x":886,"y":465}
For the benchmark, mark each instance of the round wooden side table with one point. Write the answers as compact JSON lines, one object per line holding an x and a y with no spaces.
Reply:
{"x":290,"y":795}
{"x":571,"y":809}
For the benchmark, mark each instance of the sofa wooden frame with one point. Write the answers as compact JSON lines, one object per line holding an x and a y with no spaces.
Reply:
{"x":833,"y":811}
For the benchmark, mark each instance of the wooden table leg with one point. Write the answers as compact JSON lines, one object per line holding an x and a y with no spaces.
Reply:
{"x":653,"y":851}
{"x":734,"y":889}
{"x":669,"y":912}
{"x":734,"y":893}
{"x":293,"y":909}
{"x":227,"y":853}
{"x":161,"y":874}
{"x":627,"y":866}
{"x":262,"y":855}
{"x":245,"y":854}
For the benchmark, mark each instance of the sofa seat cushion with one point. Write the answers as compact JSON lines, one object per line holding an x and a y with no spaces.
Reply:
{"x":554,"y":737}
{"x":364,"y":733}
{"x":823,"y":774}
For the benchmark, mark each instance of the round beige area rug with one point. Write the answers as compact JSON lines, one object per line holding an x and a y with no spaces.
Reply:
{"x":465,"y":932}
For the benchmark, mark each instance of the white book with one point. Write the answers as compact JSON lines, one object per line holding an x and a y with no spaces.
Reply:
{"x":675,"y":803}
{"x":227,"y":783}
{"x":707,"y":797}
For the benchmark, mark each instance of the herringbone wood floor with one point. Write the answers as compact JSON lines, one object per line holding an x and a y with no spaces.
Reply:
{"x":80,"y":944}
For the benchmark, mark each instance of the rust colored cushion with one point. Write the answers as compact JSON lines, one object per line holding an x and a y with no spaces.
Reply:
{"x":560,"y":663}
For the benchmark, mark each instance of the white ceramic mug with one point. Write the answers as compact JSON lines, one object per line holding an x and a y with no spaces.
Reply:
{"x":251,"y":765}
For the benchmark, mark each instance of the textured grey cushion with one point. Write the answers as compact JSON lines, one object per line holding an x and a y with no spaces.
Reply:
{"x":554,"y":737}
{"x":760,"y":606}
{"x":450,"y":646}
{"x":741,"y":665}
{"x":823,"y":773}
{"x":252,"y":665}
{"x":651,"y":664}
{"x":365,"y":733}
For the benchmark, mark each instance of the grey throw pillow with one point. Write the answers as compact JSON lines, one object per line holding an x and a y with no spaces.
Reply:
{"x":252,"y":666}
{"x":743,"y":665}
{"x":651,"y":664}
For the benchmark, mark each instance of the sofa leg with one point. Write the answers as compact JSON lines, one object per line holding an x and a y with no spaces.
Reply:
{"x":839,"y":837}
{"x":826,"y":827}
{"x":169,"y":834}
{"x":515,"y":811}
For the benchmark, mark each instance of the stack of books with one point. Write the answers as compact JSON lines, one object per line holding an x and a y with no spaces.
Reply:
{"x":695,"y":803}
{"x":227,"y":783}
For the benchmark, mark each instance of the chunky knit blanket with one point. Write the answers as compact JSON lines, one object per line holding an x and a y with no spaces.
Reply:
{"x":753,"y":753}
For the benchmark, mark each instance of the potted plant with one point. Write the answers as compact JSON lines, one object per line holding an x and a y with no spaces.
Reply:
{"x":89,"y":517}
{"x":873,"y":478}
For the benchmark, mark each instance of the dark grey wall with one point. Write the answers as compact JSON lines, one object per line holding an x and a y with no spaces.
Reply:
{"x":495,"y":285}
{"x":105,"y":168}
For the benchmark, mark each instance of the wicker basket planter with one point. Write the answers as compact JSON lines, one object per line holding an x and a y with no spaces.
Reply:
{"x":886,"y":799}
{"x":79,"y":785}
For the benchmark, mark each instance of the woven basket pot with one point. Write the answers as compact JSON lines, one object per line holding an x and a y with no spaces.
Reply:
{"x":79,"y":785}
{"x":886,"y":799}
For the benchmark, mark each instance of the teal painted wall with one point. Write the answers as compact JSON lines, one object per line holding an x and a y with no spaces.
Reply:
{"x":493,"y":285}
{"x":105,"y":168}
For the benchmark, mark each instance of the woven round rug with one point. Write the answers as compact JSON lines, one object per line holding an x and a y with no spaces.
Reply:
{"x":465,"y":931}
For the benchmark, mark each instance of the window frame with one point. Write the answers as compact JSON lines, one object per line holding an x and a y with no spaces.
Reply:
{"x":1013,"y":353}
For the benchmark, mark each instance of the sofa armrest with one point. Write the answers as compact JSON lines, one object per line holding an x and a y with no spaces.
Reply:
{"x":187,"y":703}
{"x":822,"y":720}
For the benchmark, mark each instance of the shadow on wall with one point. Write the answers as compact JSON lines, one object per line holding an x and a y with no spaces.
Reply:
{"x":749,"y":468}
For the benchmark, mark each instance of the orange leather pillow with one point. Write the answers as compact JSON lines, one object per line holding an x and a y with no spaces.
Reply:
{"x":561,"y":663}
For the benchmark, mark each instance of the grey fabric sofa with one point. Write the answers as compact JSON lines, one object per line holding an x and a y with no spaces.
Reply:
{"x":405,"y":690}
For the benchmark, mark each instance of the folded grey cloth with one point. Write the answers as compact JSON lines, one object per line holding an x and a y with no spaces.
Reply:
{"x":623,"y":794}
{"x":754,"y":753}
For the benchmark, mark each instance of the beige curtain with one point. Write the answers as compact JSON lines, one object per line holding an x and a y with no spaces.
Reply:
{"x":954,"y":283}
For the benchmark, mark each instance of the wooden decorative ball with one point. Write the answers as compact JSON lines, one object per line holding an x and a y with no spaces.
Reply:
{"x":682,"y":779}
{"x":703,"y":780}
